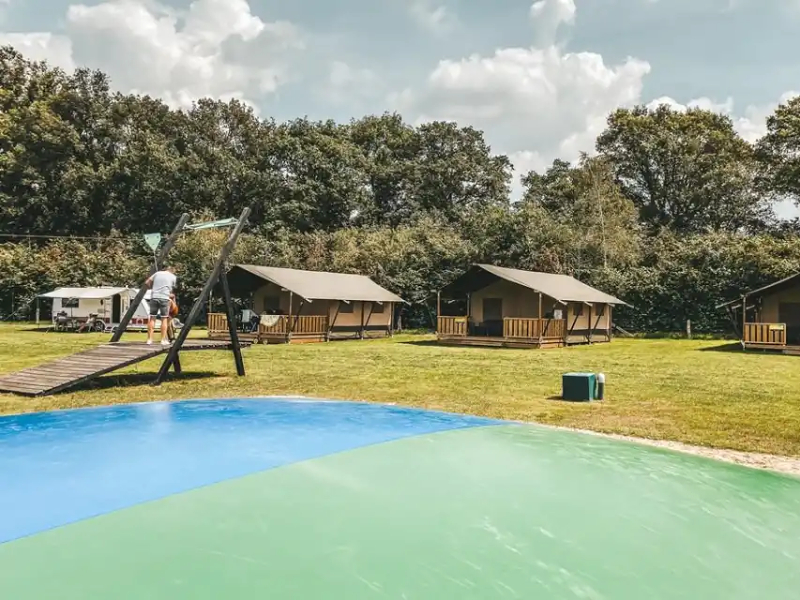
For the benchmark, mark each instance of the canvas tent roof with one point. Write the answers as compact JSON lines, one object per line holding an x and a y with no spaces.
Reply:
{"x":772,"y":287}
{"x":96,"y":293}
{"x":312,"y":285}
{"x":560,"y":287}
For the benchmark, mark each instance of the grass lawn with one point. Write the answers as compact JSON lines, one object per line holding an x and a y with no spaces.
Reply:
{"x":687,"y":391}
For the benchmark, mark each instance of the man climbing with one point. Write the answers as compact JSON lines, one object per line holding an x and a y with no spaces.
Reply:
{"x":161,"y":283}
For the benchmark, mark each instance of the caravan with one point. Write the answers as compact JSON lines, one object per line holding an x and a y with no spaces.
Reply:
{"x":98,"y":308}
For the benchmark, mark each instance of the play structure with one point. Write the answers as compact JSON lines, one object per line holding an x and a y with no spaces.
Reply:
{"x":79,"y":368}
{"x":290,"y":498}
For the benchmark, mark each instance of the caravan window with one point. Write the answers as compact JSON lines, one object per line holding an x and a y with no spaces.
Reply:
{"x":70,"y":303}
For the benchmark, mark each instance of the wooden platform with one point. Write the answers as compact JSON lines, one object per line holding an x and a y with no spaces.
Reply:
{"x":781,"y":348}
{"x":298,"y":338}
{"x":522,"y":343}
{"x":63,"y":373}
{"x":499,"y":342}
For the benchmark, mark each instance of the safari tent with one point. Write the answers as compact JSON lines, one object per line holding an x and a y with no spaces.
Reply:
{"x":497,"y":306}
{"x":768,"y":318}
{"x":291,"y":305}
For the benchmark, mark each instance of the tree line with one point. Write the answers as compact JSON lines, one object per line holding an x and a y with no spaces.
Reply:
{"x":673,"y":211}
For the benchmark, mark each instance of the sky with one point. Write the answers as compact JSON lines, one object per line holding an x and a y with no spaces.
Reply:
{"x":539,"y":77}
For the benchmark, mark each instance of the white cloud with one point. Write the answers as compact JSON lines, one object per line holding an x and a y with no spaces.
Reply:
{"x":346,"y":83}
{"x":217,"y":48}
{"x":55,"y":49}
{"x":534,"y":104}
{"x":431,"y":15}
{"x":549,"y":15}
{"x":751,"y":124}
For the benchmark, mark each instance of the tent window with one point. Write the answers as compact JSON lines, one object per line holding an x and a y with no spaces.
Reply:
{"x":601,"y":309}
{"x":578,"y":312}
{"x":345,"y":307}
{"x":70,"y":303}
{"x":377,"y":309}
{"x":272,"y":304}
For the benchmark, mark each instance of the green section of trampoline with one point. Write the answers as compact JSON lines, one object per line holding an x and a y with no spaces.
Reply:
{"x":496,"y":512}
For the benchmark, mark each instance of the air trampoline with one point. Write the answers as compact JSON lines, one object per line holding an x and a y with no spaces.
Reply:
{"x":301,"y":499}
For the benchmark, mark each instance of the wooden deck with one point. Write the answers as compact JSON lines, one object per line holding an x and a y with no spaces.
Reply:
{"x":768,"y":337}
{"x":517,"y":333}
{"x":499,"y":342}
{"x":299,"y":329}
{"x":63,"y":373}
{"x":777,"y":348}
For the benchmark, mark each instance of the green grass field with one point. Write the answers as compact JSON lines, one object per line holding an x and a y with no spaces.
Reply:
{"x":698,"y":392}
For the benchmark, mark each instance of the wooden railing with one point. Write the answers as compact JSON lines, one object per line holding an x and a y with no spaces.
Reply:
{"x":452,"y":326}
{"x":217,"y":323}
{"x":765,"y":333}
{"x":526,"y":328}
{"x":303,"y":324}
{"x":522,"y":328}
{"x":279,"y":327}
{"x":554,"y":328}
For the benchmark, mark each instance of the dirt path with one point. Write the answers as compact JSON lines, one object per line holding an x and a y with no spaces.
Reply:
{"x":771,"y":462}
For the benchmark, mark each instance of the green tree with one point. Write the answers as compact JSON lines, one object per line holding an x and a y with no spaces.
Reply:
{"x":779,"y":151}
{"x":575,"y":219}
{"x":685,"y":171}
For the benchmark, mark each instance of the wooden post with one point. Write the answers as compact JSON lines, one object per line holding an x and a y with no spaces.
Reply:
{"x":333,"y":321}
{"x":438,"y":310}
{"x":469,"y":310}
{"x":541,"y":329}
{"x":289,"y":318}
{"x":391,"y":319}
{"x":589,"y":322}
{"x":297,"y":316}
{"x":369,"y":316}
{"x":597,"y":321}
{"x":744,"y":317}
{"x":37,"y":312}
{"x":608,"y":322}
{"x":198,"y":305}
{"x":361,"y":331}
{"x":173,"y":237}
{"x":568,"y":330}
{"x":234,"y":335}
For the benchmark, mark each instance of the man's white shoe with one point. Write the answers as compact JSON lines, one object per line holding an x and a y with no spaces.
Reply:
{"x":149,"y":342}
{"x":166,"y":343}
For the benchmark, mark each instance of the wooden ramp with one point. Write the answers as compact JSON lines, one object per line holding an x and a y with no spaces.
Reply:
{"x":63,"y":373}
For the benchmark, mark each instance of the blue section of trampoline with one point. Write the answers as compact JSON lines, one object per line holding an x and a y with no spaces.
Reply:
{"x":63,"y":466}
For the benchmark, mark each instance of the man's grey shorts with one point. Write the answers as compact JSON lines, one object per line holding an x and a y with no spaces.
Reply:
{"x":159,"y":307}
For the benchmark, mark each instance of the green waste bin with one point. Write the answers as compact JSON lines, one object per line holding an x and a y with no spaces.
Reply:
{"x":578,"y":387}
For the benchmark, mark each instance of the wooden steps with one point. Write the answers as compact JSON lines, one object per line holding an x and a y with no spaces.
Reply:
{"x":69,"y":371}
